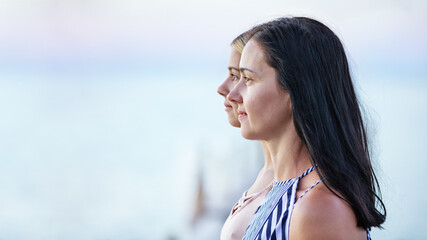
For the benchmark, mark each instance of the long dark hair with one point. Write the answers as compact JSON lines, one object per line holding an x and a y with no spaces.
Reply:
{"x":312,"y":66}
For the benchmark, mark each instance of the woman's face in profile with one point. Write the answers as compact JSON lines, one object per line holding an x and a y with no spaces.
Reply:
{"x":264,"y":107}
{"x":228,"y":84}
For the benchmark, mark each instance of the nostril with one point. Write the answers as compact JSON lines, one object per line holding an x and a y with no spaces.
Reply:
{"x":230,"y":97}
{"x":234,"y":96}
{"x":221,"y":92}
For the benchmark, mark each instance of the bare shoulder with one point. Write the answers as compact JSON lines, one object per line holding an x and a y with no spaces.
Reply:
{"x":320,"y":214}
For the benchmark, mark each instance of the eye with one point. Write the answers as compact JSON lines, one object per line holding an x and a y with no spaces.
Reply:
{"x":234,"y":77}
{"x":247,"y":79}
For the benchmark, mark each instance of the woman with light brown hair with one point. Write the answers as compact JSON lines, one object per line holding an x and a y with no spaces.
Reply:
{"x":235,"y":226}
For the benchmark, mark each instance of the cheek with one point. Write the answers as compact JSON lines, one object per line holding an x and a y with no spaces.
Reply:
{"x":258,"y":104}
{"x":235,"y":107}
{"x":268,"y":108}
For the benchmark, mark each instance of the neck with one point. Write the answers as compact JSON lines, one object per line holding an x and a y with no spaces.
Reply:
{"x":289,"y":161}
{"x":267,"y":156}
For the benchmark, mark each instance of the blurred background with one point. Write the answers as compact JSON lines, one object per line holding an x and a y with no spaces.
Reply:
{"x":110,"y":124}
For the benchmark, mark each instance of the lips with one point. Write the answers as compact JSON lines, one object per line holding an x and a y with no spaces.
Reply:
{"x":242,"y":114}
{"x":227,"y":107}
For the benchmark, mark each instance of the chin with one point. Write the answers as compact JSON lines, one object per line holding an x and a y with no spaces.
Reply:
{"x":234,"y":122}
{"x":248,"y":135}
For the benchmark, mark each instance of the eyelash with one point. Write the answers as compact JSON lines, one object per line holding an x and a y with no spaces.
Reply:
{"x":234,"y":77}
{"x":247,"y":79}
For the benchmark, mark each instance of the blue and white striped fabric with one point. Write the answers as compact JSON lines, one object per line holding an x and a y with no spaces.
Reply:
{"x":271,"y":220}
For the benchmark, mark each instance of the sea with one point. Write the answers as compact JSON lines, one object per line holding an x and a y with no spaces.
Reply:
{"x":112,"y":157}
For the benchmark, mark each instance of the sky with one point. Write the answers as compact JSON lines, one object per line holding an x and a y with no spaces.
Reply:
{"x":142,"y":37}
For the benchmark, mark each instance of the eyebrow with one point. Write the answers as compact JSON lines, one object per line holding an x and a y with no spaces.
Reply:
{"x":233,"y":68}
{"x":247,"y":69}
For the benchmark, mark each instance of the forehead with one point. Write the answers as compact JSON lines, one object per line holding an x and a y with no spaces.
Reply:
{"x":234,"y":58}
{"x":253,"y":56}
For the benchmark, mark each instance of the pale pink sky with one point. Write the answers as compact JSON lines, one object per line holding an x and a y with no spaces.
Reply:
{"x":121,"y":31}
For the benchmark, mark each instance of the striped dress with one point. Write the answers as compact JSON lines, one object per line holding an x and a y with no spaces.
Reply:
{"x":272,"y":218}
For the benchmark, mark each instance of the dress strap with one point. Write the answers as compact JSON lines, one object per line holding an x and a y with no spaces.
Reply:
{"x":246,"y":199}
{"x":312,"y":186}
{"x":307,"y":172}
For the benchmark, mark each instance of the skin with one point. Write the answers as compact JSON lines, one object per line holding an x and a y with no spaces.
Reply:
{"x":265,"y":113}
{"x":228,"y":84}
{"x":322,"y":215}
{"x":265,"y":175}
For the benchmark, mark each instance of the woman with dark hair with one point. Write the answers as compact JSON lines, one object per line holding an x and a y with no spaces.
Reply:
{"x":297,"y":95}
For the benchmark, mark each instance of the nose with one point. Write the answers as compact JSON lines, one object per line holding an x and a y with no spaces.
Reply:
{"x":234,"y":95}
{"x":223,"y":89}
